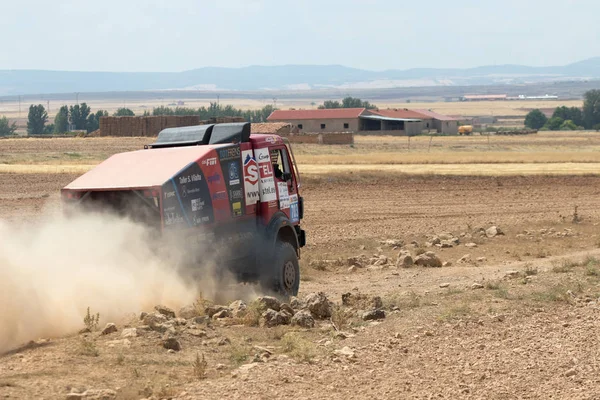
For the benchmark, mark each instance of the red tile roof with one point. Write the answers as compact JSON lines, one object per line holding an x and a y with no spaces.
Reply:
{"x":331,"y":113}
{"x":434,"y":115}
{"x":399,"y":113}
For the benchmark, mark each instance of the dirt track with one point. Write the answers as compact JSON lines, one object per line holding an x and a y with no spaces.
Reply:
{"x":501,"y":342}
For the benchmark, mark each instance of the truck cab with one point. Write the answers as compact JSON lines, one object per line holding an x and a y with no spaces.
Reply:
{"x":233,"y":197}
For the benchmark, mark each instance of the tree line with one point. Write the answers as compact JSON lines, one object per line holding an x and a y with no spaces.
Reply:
{"x":78,"y":117}
{"x":569,"y":118}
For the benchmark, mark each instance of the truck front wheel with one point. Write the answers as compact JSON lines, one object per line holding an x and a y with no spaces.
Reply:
{"x":283,"y":273}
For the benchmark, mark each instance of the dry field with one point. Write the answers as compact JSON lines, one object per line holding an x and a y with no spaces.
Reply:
{"x":516,"y":318}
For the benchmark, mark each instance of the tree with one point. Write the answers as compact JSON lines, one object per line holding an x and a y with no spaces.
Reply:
{"x":591,"y":108}
{"x":347,"y":102}
{"x":93,"y":121}
{"x":330,"y":104}
{"x":61,"y":121}
{"x":49,"y":129}
{"x":124,"y":112}
{"x":79,"y":115}
{"x":535,"y":119}
{"x":554,"y":123}
{"x":569,"y":113}
{"x":6,"y":128}
{"x":568,"y":125}
{"x":36,"y":119}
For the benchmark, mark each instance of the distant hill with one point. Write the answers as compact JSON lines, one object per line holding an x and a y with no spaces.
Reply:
{"x":286,"y":77}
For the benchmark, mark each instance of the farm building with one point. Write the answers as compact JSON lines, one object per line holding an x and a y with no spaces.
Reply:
{"x":362,"y":121}
{"x":484,"y":97}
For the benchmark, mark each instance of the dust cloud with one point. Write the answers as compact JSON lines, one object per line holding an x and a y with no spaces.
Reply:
{"x":51,"y":271}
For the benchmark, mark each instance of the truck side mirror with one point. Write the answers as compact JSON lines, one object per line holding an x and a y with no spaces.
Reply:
{"x":287,"y":176}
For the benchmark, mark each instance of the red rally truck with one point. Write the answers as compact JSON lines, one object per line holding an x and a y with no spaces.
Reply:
{"x":231,"y":196}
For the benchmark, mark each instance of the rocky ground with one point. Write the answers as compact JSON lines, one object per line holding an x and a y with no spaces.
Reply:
{"x":420,"y":288}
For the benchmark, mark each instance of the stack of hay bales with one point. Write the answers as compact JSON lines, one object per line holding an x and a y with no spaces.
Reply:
{"x":143,"y":126}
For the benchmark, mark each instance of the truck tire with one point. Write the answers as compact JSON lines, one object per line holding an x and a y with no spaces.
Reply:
{"x":283,"y":274}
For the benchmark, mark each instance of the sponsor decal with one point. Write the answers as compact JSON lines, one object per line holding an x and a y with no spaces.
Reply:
{"x":271,"y":139}
{"x":220,"y":196}
{"x":284,"y":197}
{"x":215,"y":178}
{"x":251,"y":177}
{"x":183,"y":191}
{"x":190,"y":178}
{"x":237,"y":208}
{"x":229,"y":153}
{"x":173,"y":219}
{"x":168,"y":195}
{"x":234,"y":174}
{"x":236,"y":194}
{"x":294,"y":210}
{"x":197,"y":205}
{"x":272,"y":204}
{"x":210,"y":161}
{"x":266,"y":182}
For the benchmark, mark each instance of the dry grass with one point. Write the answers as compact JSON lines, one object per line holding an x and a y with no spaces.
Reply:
{"x":298,"y":347}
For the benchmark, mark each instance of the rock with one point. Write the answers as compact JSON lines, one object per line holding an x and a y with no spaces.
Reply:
{"x":220,"y":367}
{"x":352,"y":269}
{"x":446,"y":264}
{"x":122,"y":342}
{"x":471,"y":245}
{"x":238,"y":309}
{"x":493,"y":231}
{"x":223,"y":342}
{"x":225,"y":313}
{"x":171,"y":344}
{"x":428,"y":259}
{"x":266,"y":302}
{"x":271,"y":318}
{"x":212,"y":310}
{"x":382,"y":260}
{"x":166,"y":311}
{"x":287,"y":308}
{"x":129,"y":333}
{"x":393,"y":243}
{"x":196,"y":332}
{"x":481,"y":259}
{"x":85,"y":330}
{"x":445,"y":244}
{"x":188,"y":312}
{"x":373,"y":315}
{"x":355,"y":262}
{"x":303,"y":319}
{"x":476,"y":286}
{"x":153,"y":320}
{"x":511,"y":274}
{"x":405,"y":260}
{"x":109,"y":328}
{"x":464,"y":259}
{"x":435,"y":240}
{"x":444,"y":285}
{"x":345,"y":352}
{"x":571,"y":372}
{"x":94,"y":394}
{"x":318,"y":305}
{"x":295,"y":303}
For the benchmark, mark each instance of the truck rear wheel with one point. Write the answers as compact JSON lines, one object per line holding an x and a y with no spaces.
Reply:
{"x":283,"y":273}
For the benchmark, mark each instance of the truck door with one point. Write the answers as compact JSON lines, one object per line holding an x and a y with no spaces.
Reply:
{"x":285,"y":181}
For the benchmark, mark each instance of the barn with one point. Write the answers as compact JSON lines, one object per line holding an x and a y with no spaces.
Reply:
{"x":396,"y":122}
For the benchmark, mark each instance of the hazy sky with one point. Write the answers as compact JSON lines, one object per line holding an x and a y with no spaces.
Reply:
{"x":177,"y":35}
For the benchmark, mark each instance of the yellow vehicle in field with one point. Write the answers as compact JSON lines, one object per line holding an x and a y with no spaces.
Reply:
{"x":465,"y":130}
